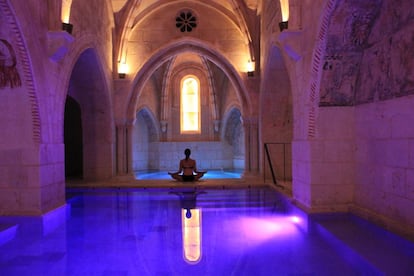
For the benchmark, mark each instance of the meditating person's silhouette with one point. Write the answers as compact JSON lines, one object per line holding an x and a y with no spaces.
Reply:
{"x":187,"y":170}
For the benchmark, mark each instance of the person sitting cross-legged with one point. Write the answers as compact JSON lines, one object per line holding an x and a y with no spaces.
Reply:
{"x":187,"y":170}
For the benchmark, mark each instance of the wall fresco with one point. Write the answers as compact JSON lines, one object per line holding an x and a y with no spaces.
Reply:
{"x":9,"y":76}
{"x":349,"y":31}
{"x":388,"y":70}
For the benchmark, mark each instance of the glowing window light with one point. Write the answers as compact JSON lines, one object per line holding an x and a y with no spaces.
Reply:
{"x":190,"y":105}
{"x":191,"y":232}
{"x":65,"y":14}
{"x":284,"y":6}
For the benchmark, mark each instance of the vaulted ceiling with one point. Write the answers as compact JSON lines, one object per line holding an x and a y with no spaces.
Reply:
{"x":117,"y":5}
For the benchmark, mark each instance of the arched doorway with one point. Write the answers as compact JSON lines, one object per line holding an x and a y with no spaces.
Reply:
{"x":89,"y":121}
{"x":162,"y":97}
{"x":73,"y":140}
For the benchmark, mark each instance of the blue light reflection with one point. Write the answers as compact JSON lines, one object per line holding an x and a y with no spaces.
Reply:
{"x":139,"y":232}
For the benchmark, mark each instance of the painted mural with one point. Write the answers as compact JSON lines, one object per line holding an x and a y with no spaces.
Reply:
{"x":9,"y":76}
{"x":388,"y":70}
{"x":347,"y":46}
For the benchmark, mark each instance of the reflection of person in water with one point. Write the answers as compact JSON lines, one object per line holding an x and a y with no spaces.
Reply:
{"x":187,"y":170}
{"x":188,"y":201}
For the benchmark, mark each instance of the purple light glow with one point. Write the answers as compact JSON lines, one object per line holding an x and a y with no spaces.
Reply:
{"x":254,"y":231}
{"x":295,"y":219}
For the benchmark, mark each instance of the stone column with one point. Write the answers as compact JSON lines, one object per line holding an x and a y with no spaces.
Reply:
{"x":124,"y":149}
{"x":129,"y":130}
{"x":252,"y":145}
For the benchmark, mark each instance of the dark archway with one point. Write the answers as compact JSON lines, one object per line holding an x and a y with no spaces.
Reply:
{"x":73,"y":140}
{"x":87,"y":86}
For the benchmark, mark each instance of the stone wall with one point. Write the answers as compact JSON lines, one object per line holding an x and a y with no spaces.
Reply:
{"x":368,"y":55}
{"x":324,"y":167}
{"x":384,"y":133}
{"x":33,"y":95}
{"x":165,"y":156}
{"x":385,"y":160}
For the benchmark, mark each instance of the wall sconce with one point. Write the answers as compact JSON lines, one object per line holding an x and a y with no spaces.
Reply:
{"x":250,"y":68}
{"x":122,"y":70}
{"x":67,"y":27}
{"x":284,"y":8}
{"x":283,"y":25}
{"x":65,"y":16}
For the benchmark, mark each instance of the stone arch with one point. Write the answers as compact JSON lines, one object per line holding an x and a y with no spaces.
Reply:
{"x":316,"y":68}
{"x":151,"y":120}
{"x":82,"y":44}
{"x":132,"y":15}
{"x":145,"y":132}
{"x":26,"y":67}
{"x":185,"y":45}
{"x":88,"y":87}
{"x":213,"y":92}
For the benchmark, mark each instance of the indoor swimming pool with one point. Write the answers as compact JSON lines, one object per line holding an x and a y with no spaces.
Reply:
{"x":185,"y":232}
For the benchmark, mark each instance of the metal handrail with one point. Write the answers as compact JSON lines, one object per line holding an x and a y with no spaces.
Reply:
{"x":270,"y":161}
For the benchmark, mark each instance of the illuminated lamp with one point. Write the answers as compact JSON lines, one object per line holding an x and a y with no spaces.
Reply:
{"x":250,"y":68}
{"x":65,"y":15}
{"x":284,"y":7}
{"x":122,"y":70}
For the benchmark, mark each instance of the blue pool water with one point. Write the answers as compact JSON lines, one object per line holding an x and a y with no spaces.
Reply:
{"x":147,"y":232}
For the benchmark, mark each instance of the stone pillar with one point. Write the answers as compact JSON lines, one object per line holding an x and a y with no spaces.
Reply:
{"x":252,"y":146}
{"x":32,"y":179}
{"x":124,"y":149}
{"x":129,"y":130}
{"x":301,"y":173}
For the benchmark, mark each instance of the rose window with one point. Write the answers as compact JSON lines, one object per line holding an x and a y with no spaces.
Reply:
{"x":186,"y":21}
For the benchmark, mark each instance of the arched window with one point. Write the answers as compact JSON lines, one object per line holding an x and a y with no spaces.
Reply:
{"x":190,"y":105}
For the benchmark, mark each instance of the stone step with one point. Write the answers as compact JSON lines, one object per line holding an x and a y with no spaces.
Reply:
{"x":366,"y":245}
{"x":7,"y":232}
